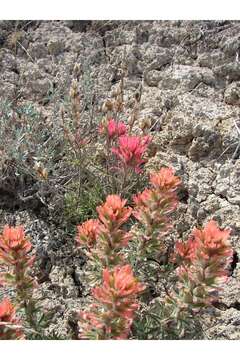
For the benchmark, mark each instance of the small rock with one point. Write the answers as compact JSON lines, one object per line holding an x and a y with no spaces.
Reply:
{"x":38,"y":50}
{"x":152,"y":77}
{"x":230,"y":71}
{"x":206,"y":141}
{"x":211,"y":59}
{"x":232,"y":94}
{"x":231,"y":45}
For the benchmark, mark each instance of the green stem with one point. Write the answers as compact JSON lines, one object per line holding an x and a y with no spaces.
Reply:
{"x":24,"y":295}
{"x":124,"y":179}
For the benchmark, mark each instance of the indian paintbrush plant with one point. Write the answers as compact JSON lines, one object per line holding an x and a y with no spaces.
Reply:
{"x":104,"y":238}
{"x":203,"y":267}
{"x":111,"y":316}
{"x":125,"y":154}
{"x":103,"y":148}
{"x":152,"y":209}
{"x":89,"y":162}
{"x":200,"y":264}
{"x":16,"y":262}
{"x":118,"y":306}
{"x":10,"y":325}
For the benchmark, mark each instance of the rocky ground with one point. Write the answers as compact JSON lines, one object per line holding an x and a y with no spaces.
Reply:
{"x":190,"y":71}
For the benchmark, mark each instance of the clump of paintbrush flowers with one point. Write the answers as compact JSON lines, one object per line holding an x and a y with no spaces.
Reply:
{"x":200,"y":264}
{"x":120,"y":260}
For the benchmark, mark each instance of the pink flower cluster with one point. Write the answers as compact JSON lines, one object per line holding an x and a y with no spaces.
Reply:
{"x":10,"y":326}
{"x":113,"y":129}
{"x":203,"y":262}
{"x":130,"y":149}
{"x":103,"y":237}
{"x":14,"y":253}
{"x":112,"y":315}
{"x":153,"y":206}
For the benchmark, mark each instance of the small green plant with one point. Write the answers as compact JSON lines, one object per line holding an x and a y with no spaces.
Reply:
{"x":80,"y":207}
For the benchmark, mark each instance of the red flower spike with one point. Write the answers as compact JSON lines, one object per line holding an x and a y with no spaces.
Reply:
{"x":213,"y":241}
{"x":14,"y":246}
{"x":142,"y":199}
{"x":203,"y":262}
{"x":116,"y":129}
{"x":7,"y":310}
{"x":210,"y":243}
{"x":153,"y":206}
{"x":103,"y":237}
{"x":113,"y":212}
{"x":13,"y":238}
{"x":16,"y":261}
{"x":112,"y":316}
{"x":113,"y":129}
{"x":131,"y":149}
{"x":186,"y":250}
{"x":8,"y":316}
{"x":88,"y":232}
{"x":165,"y":180}
{"x":117,"y":283}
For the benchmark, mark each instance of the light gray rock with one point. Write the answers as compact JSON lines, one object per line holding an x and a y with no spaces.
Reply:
{"x":38,"y":50}
{"x":157,"y":57}
{"x":230,"y":46}
{"x":228,"y":72}
{"x":206,"y":141}
{"x":228,"y":326}
{"x":211,"y":59}
{"x":152,"y":77}
{"x":232,"y":94}
{"x":227,"y":182}
{"x":184,"y":77}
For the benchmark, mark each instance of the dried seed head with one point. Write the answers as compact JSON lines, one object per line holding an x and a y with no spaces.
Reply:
{"x":119,"y":98}
{"x":145,"y":124}
{"x":115,"y":92}
{"x":132,"y":118}
{"x":77,"y":69}
{"x":118,"y":90}
{"x":104,"y":108}
{"x":104,"y":123}
{"x":40,"y":170}
{"x":107,"y":106}
{"x":118,"y":105}
{"x":73,"y":93}
{"x":109,"y":115}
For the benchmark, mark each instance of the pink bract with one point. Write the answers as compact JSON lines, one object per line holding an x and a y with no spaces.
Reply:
{"x":131,"y":149}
